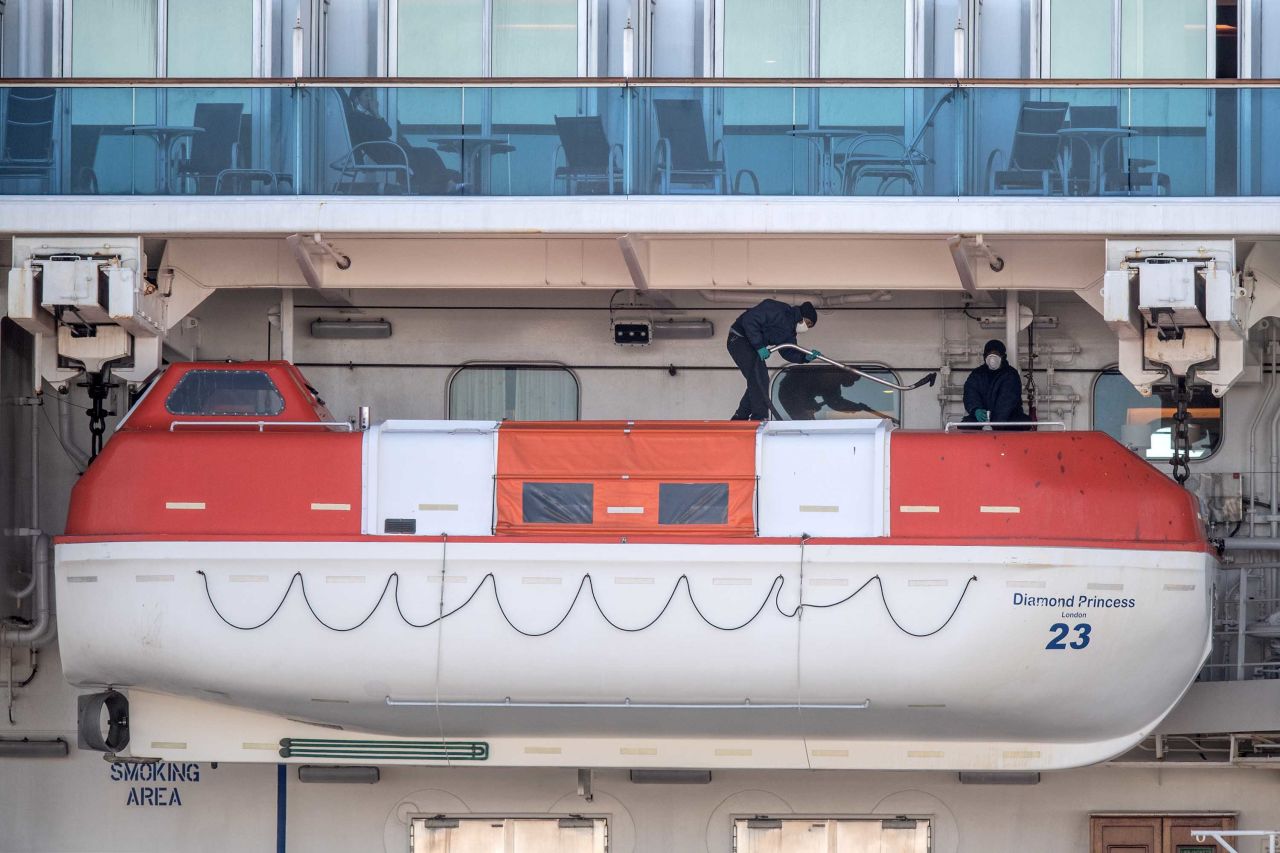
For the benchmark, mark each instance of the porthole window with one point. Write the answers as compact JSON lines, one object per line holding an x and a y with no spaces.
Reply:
{"x":1145,"y":424}
{"x":237,"y":393}
{"x":819,"y":392}
{"x":513,"y":392}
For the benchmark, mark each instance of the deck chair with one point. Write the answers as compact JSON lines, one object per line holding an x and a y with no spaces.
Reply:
{"x":887,"y":157}
{"x":591,"y":165}
{"x":27,"y":150}
{"x":358,"y":173}
{"x":1121,"y":175}
{"x":212,"y":167}
{"x":1034,"y":166}
{"x":682,"y":158}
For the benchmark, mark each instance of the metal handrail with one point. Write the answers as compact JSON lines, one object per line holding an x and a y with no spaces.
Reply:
{"x":262,"y":425}
{"x":926,"y":380}
{"x":973,"y":426}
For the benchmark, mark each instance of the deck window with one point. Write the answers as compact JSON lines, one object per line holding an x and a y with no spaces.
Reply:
{"x":837,"y":835}
{"x":237,"y":393}
{"x":442,"y":834}
{"x":513,"y":393}
{"x":693,"y":503}
{"x":815,"y":392}
{"x":1145,"y":424}
{"x":558,"y":503}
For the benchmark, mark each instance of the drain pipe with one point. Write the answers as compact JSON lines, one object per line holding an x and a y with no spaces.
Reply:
{"x":1273,"y":473}
{"x":1253,"y":428}
{"x":747,"y":298}
{"x":64,"y":434}
{"x":43,"y":627}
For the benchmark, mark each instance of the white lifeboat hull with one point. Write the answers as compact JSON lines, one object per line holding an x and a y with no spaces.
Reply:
{"x":937,"y":656}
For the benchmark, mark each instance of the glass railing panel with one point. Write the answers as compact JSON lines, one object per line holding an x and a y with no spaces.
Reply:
{"x":468,"y":141}
{"x":770,"y":140}
{"x":147,"y":141}
{"x":1099,"y":142}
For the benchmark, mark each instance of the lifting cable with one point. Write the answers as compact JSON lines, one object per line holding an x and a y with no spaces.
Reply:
{"x":772,"y":594}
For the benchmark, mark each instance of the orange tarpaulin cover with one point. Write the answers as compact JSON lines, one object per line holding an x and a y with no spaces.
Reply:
{"x":626,"y":464}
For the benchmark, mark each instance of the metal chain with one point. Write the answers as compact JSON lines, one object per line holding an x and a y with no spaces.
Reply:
{"x":1181,"y":459}
{"x":98,"y":389}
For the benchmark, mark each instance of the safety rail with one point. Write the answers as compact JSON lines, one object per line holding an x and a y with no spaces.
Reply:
{"x":1220,"y":836}
{"x":940,"y":138}
{"x":976,"y":426}
{"x":262,"y":425}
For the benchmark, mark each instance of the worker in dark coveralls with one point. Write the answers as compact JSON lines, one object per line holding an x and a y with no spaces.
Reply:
{"x":993,"y":391}
{"x":768,"y":324}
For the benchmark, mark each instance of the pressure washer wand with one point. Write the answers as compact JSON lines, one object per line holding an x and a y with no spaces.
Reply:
{"x":926,"y":380}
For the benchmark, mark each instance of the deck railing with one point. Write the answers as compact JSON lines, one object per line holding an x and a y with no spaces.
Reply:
{"x":1059,"y":139}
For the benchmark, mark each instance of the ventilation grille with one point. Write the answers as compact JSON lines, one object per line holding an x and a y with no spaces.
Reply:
{"x":400,"y":525}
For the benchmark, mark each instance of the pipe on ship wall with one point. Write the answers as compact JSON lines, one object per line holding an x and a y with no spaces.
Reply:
{"x":43,"y":628}
{"x":747,"y":298}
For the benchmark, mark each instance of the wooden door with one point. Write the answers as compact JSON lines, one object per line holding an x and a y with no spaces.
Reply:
{"x":1125,"y":834}
{"x":1178,"y":837}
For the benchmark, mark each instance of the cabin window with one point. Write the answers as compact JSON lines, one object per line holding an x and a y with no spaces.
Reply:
{"x":838,"y":835}
{"x":508,"y":835}
{"x":225,"y":392}
{"x":819,"y":392}
{"x":1145,"y":424}
{"x":513,"y":393}
{"x":693,"y":503}
{"x":557,"y":503}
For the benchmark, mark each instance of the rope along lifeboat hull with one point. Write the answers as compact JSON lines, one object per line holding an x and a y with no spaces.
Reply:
{"x":674,"y":594}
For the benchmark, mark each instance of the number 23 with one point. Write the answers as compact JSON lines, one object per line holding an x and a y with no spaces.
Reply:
{"x":1060,"y":632}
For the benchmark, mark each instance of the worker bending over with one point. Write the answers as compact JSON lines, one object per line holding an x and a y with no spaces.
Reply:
{"x":993,"y":391}
{"x":769,"y":324}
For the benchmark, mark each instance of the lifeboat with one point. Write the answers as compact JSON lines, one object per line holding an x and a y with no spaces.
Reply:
{"x":790,"y":594}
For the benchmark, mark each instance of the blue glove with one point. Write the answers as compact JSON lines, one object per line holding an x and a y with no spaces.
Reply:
{"x":982,"y":415}
{"x":763,"y":352}
{"x":813,"y":353}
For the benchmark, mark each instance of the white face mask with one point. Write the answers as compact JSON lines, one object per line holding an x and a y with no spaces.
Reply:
{"x":802,"y":327}
{"x":994,"y":361}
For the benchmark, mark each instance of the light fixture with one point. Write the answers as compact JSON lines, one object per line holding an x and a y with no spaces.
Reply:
{"x":999,"y":777}
{"x":348,"y":774}
{"x":632,"y":333}
{"x":350,"y":329}
{"x":684,"y":330}
{"x":27,"y":748}
{"x":671,"y":777}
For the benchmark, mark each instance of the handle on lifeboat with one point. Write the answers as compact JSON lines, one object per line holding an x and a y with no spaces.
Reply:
{"x":926,"y":380}
{"x":261,"y":426}
{"x":977,"y":426}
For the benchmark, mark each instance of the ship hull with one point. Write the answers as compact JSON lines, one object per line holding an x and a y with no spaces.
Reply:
{"x":967,"y":655}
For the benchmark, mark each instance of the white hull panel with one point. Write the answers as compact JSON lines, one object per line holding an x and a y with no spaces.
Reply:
{"x":981,"y":690}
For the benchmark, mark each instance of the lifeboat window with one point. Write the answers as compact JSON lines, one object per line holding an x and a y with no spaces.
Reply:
{"x":516,"y":392}
{"x":819,"y":392}
{"x":693,"y":503}
{"x":558,"y":503}
{"x":1145,"y":424}
{"x":225,"y":392}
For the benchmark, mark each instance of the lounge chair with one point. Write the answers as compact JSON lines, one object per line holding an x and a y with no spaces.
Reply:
{"x":591,"y":164}
{"x":682,"y":159}
{"x":1034,"y":164}
{"x":211,"y":167}
{"x":358,"y":172}
{"x":889,"y":158}
{"x":27,"y":150}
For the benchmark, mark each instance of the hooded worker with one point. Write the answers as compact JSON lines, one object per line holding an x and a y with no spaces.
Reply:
{"x":769,"y":324}
{"x":993,"y":391}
